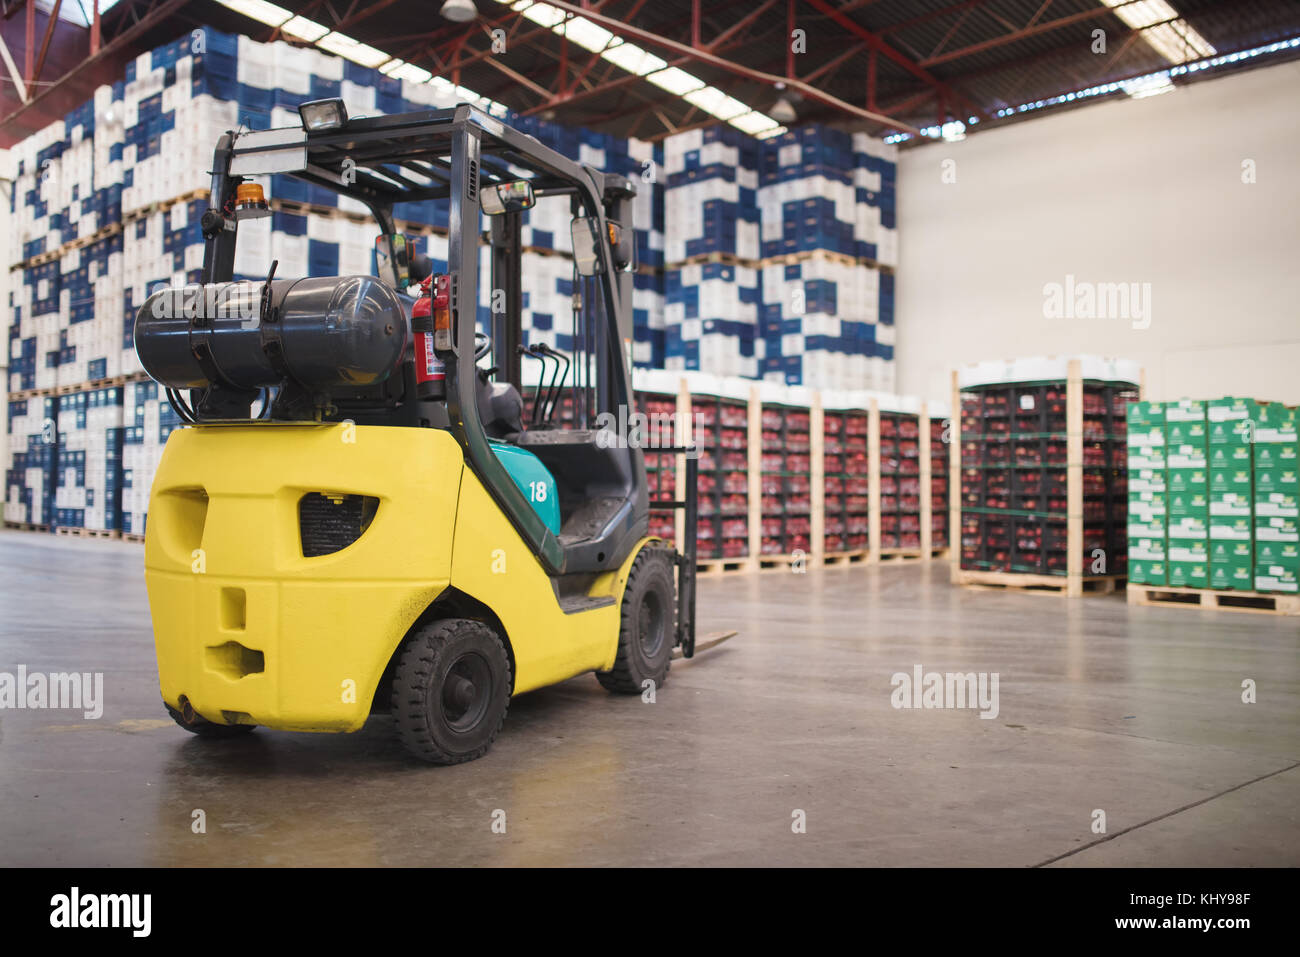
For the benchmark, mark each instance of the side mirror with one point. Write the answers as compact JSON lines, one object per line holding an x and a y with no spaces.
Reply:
{"x":586,"y":247}
{"x":393,"y":260}
{"x":512,"y":197}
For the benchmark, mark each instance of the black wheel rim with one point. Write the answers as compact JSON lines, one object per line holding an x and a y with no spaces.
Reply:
{"x":466,"y":692}
{"x":650,"y":624}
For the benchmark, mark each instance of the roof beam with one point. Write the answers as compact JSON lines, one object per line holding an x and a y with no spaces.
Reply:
{"x":156,"y":15}
{"x":628,"y":31}
{"x":946,"y":93}
{"x":1029,"y":31}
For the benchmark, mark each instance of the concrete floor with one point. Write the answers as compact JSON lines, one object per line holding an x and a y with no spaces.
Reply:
{"x":1135,"y":711}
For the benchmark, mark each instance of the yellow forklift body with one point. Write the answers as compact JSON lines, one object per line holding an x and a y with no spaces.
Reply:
{"x":251,"y":631}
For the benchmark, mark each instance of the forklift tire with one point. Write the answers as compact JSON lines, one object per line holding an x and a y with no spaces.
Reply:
{"x":647,"y":625}
{"x":208,"y":729}
{"x":451,"y":690}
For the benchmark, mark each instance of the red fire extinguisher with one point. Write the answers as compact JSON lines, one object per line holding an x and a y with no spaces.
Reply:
{"x":430,"y":372}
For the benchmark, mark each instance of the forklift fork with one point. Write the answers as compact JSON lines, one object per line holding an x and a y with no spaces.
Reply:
{"x":685,"y":559}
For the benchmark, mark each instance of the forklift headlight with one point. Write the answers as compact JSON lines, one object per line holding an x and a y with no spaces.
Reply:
{"x":319,"y":115}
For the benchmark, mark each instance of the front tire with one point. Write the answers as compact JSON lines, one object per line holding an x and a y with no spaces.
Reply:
{"x":451,"y":691}
{"x":647,"y":625}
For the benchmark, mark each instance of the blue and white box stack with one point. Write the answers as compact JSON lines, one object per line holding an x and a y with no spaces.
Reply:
{"x":30,"y":478}
{"x":711,"y":318}
{"x":711,"y":195}
{"x":88,"y":494}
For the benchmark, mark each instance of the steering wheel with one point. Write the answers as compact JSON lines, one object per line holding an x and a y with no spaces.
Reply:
{"x":482,"y":345}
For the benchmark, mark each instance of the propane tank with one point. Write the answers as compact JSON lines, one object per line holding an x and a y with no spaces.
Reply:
{"x":325,"y":333}
{"x":430,"y":371}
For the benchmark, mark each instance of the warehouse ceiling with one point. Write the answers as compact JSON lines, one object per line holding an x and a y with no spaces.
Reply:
{"x":652,"y":67}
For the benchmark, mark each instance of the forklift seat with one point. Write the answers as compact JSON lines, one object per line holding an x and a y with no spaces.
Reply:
{"x":602,"y":512}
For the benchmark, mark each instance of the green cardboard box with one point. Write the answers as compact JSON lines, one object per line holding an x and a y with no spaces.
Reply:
{"x":1276,"y":425}
{"x":1280,"y":478}
{"x":1189,"y":574}
{"x":1145,"y":415}
{"x":1185,"y":410}
{"x":1151,"y":501}
{"x":1146,"y":480}
{"x":1277,"y":553}
{"x":1230,"y":504}
{"x":1234,"y":530}
{"x":1231,"y":421}
{"x":1276,"y":528}
{"x":1147,"y":550}
{"x":1145,"y":458}
{"x":1232,"y":576}
{"x":1188,"y":480}
{"x":1186,"y":456}
{"x":1186,"y":433}
{"x":1234,"y":457}
{"x":1144,"y":572}
{"x":1277,"y":578}
{"x":1189,"y":550}
{"x":1275,"y":455}
{"x":1277,"y":504}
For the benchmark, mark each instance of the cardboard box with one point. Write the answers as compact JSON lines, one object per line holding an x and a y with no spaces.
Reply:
{"x":1276,"y":425}
{"x":1143,"y":572}
{"x":1186,"y":433}
{"x":1277,"y":553}
{"x":1140,"y":459}
{"x":1281,"y":478}
{"x":1277,"y":578}
{"x":1186,"y":456}
{"x":1185,"y":410}
{"x":1147,"y":480}
{"x":1189,"y":574}
{"x":1234,"y":457}
{"x":1145,"y":415}
{"x":1277,"y":504}
{"x":1232,"y":576}
{"x":1230,"y":531}
{"x":1148,"y":501}
{"x":1275,"y":455}
{"x":1231,"y":421}
{"x":1275,"y":528}
{"x":1230,"y":505}
{"x":1145,"y":525}
{"x":1188,"y":480}
{"x":1188,"y":550}
{"x":1146,"y":550}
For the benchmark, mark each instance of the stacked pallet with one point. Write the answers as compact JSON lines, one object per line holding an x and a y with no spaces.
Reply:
{"x":780,"y":255}
{"x":107,"y":205}
{"x":1040,"y":457}
{"x":846,"y":475}
{"x":1214,"y":510}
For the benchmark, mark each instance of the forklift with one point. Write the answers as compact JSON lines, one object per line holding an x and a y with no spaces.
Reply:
{"x":355,"y":517}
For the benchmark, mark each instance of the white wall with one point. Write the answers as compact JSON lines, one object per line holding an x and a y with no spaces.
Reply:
{"x":1146,"y":191}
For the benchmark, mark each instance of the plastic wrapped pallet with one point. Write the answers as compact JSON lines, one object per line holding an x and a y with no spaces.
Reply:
{"x":89,"y":474}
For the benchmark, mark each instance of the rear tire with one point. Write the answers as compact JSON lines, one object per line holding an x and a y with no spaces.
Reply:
{"x":197,"y":724}
{"x":451,"y":691}
{"x":647,"y":625}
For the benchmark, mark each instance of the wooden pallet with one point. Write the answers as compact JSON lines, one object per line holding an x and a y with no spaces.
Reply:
{"x":1042,"y":584}
{"x":902,"y":555}
{"x":782,"y":562}
{"x":27,"y":527}
{"x":1260,"y":603}
{"x":718,"y":566}
{"x":110,"y":382}
{"x":75,"y":532}
{"x":846,"y":558}
{"x":130,"y":537}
